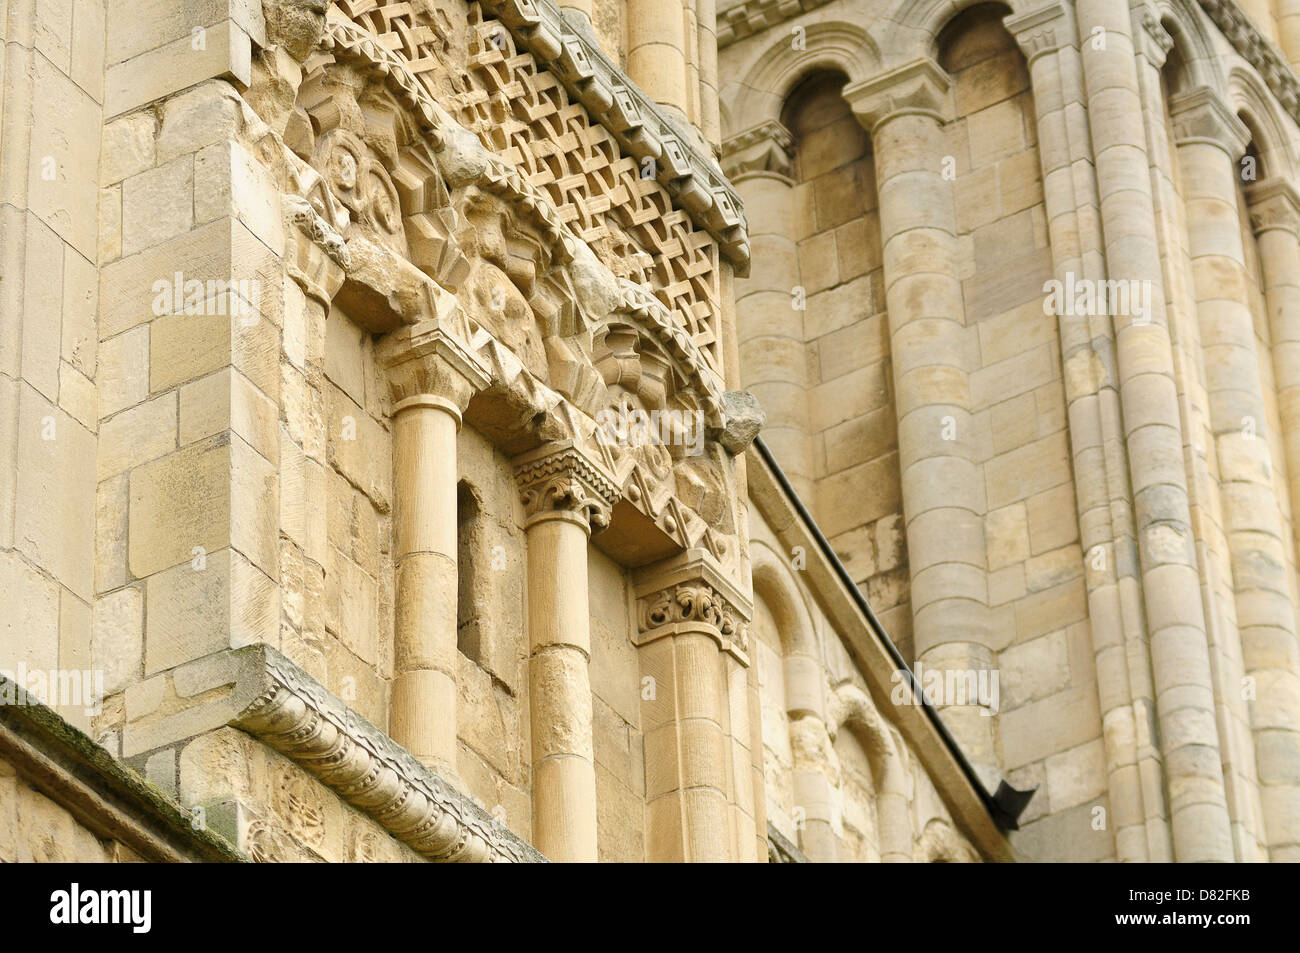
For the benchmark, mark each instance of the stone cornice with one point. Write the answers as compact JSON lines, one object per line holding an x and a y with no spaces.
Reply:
{"x":691,"y":177}
{"x":754,"y":16}
{"x":563,"y":479}
{"x":1201,"y":115}
{"x":1274,"y":204}
{"x":691,"y":592}
{"x":294,"y":715}
{"x":1267,"y":60}
{"x":97,"y":789}
{"x":918,"y":87}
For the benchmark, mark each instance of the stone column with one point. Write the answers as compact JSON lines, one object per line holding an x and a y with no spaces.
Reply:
{"x":564,"y":492}
{"x":691,"y":624}
{"x":1048,"y":38}
{"x":1288,"y":28}
{"x":656,"y":51}
{"x":1210,"y":140}
{"x":432,"y":376}
{"x":930,"y":346}
{"x":1175,"y":615}
{"x":769,"y":323}
{"x":1273,"y":661}
{"x":710,"y":115}
{"x":1275,"y":219}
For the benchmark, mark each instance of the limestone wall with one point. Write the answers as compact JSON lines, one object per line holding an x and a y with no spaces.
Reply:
{"x":1097,"y":497}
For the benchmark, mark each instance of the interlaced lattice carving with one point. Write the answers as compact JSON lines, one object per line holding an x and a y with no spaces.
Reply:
{"x":524,"y":114}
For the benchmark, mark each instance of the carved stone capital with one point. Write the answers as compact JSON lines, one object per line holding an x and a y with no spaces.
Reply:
{"x":690,"y":593}
{"x":1274,"y":204}
{"x":762,"y":148}
{"x":429,"y":359}
{"x":1200,"y":115}
{"x":919,"y":87}
{"x":563,"y":481}
{"x":1045,"y":29}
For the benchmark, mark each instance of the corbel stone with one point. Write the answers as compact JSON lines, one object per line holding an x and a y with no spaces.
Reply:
{"x":1201,"y":115}
{"x":691,"y":593}
{"x":1274,"y":204}
{"x":919,"y":87}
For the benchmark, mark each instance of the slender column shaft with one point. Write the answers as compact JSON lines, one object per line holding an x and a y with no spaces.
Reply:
{"x":1048,"y":39}
{"x":564,"y":493}
{"x":1259,"y":547}
{"x":770,"y":330}
{"x":564,"y":774}
{"x":656,"y":50}
{"x":423,"y":718}
{"x":1175,"y":615}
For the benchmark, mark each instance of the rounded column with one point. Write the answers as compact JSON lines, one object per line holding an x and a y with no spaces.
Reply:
{"x":432,"y":376}
{"x":564,"y":493}
{"x":930,"y":348}
{"x":1180,"y":655}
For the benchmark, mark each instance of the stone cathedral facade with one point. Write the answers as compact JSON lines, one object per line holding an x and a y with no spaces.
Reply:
{"x":649,"y":430}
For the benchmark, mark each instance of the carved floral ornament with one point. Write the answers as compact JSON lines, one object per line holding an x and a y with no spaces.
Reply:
{"x":565,"y":481}
{"x":691,"y":593}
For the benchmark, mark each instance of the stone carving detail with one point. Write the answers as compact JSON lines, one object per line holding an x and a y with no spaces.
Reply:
{"x":361,"y":184}
{"x":1257,"y":51}
{"x":566,"y":480}
{"x":694,"y":601}
{"x":300,"y":719}
{"x":517,"y":101}
{"x":1274,"y":204}
{"x":754,"y":16}
{"x":1042,"y":30}
{"x":767,"y":147}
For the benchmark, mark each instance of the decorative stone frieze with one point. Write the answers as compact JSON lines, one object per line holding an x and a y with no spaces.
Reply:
{"x":1257,"y":51}
{"x":754,"y":16}
{"x":641,"y":128}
